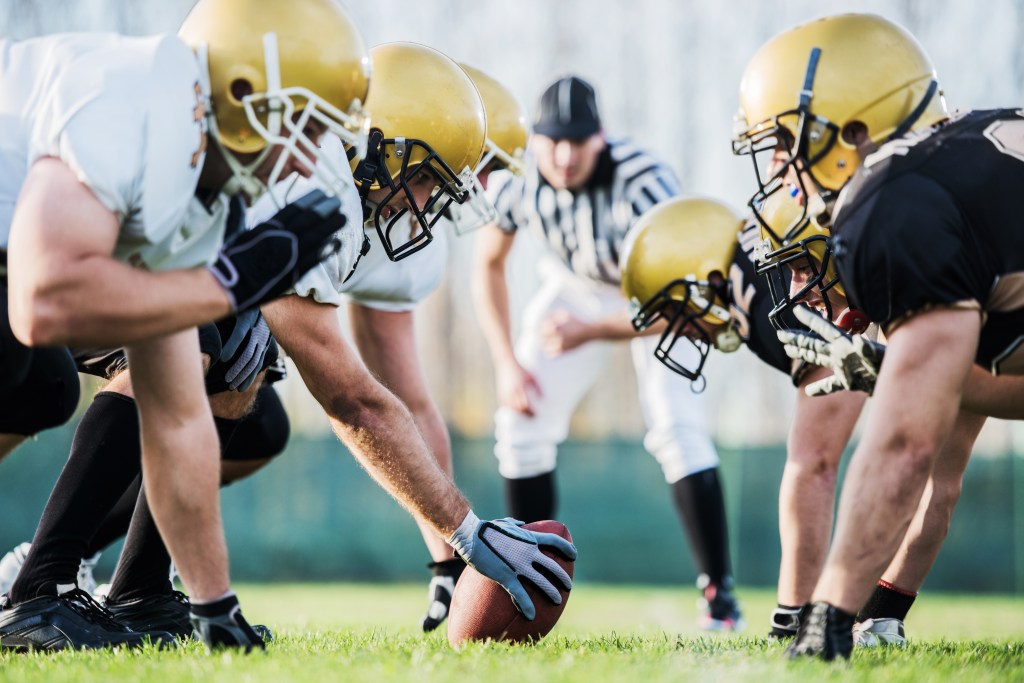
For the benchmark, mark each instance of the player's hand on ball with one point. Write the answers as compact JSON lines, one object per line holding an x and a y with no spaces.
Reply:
{"x":258,"y":265}
{"x":853,"y":359}
{"x":504,"y":552}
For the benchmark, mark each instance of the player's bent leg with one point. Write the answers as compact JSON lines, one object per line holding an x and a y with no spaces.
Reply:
{"x":677,"y":436}
{"x":181,"y":459}
{"x":880,"y":621}
{"x":807,"y":496}
{"x":141,"y":594}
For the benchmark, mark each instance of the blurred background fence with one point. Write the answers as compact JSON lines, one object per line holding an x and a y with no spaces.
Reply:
{"x":313,"y":514}
{"x":667,"y":73}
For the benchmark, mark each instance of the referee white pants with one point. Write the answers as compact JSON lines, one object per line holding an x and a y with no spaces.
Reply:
{"x":677,"y":434}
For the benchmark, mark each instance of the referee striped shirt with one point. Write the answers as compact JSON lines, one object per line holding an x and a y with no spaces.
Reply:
{"x":585,"y":227}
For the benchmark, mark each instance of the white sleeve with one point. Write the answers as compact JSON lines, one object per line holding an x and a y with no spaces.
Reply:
{"x":124,"y":120}
{"x":398,"y":286}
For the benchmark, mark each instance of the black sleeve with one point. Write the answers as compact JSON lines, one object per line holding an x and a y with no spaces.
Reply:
{"x":905,"y":248}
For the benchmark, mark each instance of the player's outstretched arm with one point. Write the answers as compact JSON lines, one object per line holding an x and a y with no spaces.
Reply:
{"x":369,"y":419}
{"x":382,"y":435}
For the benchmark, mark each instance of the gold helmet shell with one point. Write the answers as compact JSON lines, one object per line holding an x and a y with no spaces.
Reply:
{"x":869,"y":70}
{"x":677,"y":245}
{"x":507,"y":123}
{"x":319,"y":51}
{"x":419,"y":93}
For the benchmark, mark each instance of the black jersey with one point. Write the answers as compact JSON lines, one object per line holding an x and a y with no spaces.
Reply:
{"x":750,"y":305}
{"x":934,"y":220}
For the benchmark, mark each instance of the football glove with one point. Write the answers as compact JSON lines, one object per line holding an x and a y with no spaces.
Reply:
{"x":249,"y":361}
{"x":260,"y":264}
{"x":853,"y":359}
{"x":501,"y":550}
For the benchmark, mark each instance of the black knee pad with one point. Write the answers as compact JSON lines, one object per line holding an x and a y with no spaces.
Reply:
{"x":46,"y":395}
{"x":263,"y":433}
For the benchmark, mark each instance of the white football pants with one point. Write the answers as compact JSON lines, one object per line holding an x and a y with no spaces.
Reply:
{"x":677,"y":434}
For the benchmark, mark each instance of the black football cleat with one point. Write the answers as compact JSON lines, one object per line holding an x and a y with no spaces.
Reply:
{"x":718,"y":608}
{"x":442,"y":586}
{"x":160,"y":612}
{"x":169,"y":612}
{"x":826,"y":632}
{"x":221,"y":625}
{"x":72,"y":620}
{"x":785,"y":621}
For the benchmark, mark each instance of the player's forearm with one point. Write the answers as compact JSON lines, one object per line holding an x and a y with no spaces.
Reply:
{"x":382,"y":436}
{"x":98,"y":301}
{"x":619,"y":326}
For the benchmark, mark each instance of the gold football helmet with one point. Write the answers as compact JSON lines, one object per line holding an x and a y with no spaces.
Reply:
{"x":507,"y":124}
{"x":272,"y":69}
{"x":804,"y":95}
{"x":805,"y":86}
{"x":807,"y":245}
{"x":507,"y":132}
{"x":428,"y":118}
{"x":675,"y":264}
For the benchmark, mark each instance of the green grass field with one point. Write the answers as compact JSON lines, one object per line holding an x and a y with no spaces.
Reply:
{"x":370,"y":633}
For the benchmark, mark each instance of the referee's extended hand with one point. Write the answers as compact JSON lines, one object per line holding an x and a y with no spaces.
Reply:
{"x":515,"y":388}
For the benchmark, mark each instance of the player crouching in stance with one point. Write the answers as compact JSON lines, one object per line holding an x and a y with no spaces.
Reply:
{"x":115,"y":238}
{"x":851,"y":103}
{"x":688,"y":272}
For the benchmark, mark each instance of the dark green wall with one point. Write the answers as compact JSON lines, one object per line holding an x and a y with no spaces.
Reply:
{"x":314,"y":514}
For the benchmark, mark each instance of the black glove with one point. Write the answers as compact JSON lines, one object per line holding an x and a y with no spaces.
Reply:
{"x":260,"y":264}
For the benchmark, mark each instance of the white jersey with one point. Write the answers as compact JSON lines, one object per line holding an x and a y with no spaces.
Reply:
{"x":126,"y":116}
{"x":377,"y":282}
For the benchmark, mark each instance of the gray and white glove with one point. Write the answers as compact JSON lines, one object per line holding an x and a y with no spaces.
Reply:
{"x":503,"y":551}
{"x":250,"y":328}
{"x":241,"y":375}
{"x":853,"y":359}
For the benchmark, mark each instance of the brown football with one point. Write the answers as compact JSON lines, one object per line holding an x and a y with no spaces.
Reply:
{"x":481,"y":609}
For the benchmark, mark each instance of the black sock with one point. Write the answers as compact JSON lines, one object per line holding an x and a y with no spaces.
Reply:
{"x":531,"y":499}
{"x":452,"y":568}
{"x":115,"y":525}
{"x":145,"y":565}
{"x":887,"y":602}
{"x":699,"y":503}
{"x":105,"y":458}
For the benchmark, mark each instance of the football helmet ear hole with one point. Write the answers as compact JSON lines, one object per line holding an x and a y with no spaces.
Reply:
{"x":853,"y":133}
{"x":241,"y":88}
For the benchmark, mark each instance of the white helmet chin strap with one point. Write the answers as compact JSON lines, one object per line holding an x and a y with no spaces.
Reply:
{"x":282,"y":131}
{"x":243,"y":179}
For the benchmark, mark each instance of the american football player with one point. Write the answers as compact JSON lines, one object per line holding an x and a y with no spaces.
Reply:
{"x":852,"y":103}
{"x":112,"y":223}
{"x":373,"y":423}
{"x":580,"y":195}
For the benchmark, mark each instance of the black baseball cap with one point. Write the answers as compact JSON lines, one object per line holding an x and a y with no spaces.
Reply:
{"x":568,"y":109}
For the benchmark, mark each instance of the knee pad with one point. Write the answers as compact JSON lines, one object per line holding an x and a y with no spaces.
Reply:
{"x":522,"y":451}
{"x":46,"y":396}
{"x":263,"y":433}
{"x":681,"y":454}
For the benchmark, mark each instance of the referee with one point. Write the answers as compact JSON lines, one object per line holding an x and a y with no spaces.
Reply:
{"x":580,"y":195}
